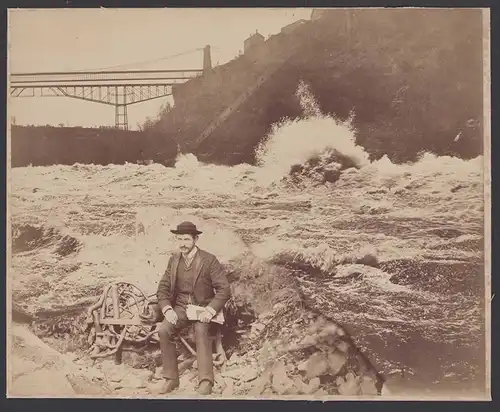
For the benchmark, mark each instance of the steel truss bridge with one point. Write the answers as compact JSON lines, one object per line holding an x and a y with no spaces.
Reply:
{"x":116,"y":88}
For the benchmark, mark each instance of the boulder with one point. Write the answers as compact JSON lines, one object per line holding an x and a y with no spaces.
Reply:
{"x":244,"y":374}
{"x":220,"y":384}
{"x":261,"y":383}
{"x":281,"y":383}
{"x":155,"y":387}
{"x":229,"y":388}
{"x":250,"y":374}
{"x":316,"y":365}
{"x":116,"y":374}
{"x":187,"y":382}
{"x":135,"y":380}
{"x":336,"y":360}
{"x":42,"y":383}
{"x":301,"y":386}
{"x":233,"y":360}
{"x":343,"y":346}
{"x":350,"y":386}
{"x":320,"y":392}
{"x":158,"y":375}
{"x":313,"y":385}
{"x":257,"y":328}
{"x":368,"y":386}
{"x":36,"y":369}
{"x":114,"y":386}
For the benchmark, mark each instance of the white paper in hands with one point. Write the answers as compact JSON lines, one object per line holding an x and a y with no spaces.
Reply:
{"x":193,"y":312}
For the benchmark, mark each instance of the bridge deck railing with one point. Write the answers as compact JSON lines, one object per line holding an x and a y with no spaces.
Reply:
{"x":102,"y":78}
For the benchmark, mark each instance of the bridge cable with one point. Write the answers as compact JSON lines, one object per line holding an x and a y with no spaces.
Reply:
{"x":139,"y":62}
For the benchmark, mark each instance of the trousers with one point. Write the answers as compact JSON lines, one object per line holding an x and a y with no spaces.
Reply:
{"x":168,"y":332}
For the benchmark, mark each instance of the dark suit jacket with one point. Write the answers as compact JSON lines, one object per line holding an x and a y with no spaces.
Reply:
{"x":209,"y":276}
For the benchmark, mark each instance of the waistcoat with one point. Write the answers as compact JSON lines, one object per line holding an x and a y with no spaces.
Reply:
{"x":184,"y":283}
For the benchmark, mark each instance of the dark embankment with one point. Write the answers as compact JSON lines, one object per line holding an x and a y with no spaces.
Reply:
{"x":46,"y":145}
{"x":412,"y":79}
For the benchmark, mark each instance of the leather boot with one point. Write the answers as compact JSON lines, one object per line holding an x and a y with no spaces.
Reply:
{"x":170,"y":385}
{"x":205,"y":387}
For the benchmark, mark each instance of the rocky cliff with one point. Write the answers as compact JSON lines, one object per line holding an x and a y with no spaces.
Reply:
{"x":413,"y":81}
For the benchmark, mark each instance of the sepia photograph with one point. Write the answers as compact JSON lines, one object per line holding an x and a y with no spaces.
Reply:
{"x":249,"y":203}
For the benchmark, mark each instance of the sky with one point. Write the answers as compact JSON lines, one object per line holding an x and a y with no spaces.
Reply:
{"x":120,"y":39}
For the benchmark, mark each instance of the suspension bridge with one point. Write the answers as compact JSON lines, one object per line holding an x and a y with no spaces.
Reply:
{"x":119,"y":88}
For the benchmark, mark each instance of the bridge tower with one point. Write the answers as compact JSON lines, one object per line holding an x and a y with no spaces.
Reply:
{"x":207,"y":59}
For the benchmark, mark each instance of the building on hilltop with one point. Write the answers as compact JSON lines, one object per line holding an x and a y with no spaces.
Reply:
{"x":318,"y":13}
{"x":254,"y":40}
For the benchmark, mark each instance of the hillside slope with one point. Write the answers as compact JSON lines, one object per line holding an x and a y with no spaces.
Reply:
{"x":412,"y":80}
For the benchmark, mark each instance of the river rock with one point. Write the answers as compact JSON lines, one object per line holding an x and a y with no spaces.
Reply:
{"x":336,"y":360}
{"x":250,"y":374}
{"x":135,"y":360}
{"x":116,"y":374}
{"x":313,"y":385}
{"x":316,"y":365}
{"x":244,"y":374}
{"x":219,"y":384}
{"x":229,"y":389}
{"x":301,"y":386}
{"x":281,"y":383}
{"x":320,"y":392}
{"x":233,"y":373}
{"x":145,"y":374}
{"x":261,"y":383}
{"x":41,"y":383}
{"x":368,"y":386}
{"x":257,"y":328}
{"x":264,"y":315}
{"x":343,"y":346}
{"x":85,"y":361}
{"x":187,"y":381}
{"x":186,"y":364}
{"x":330,"y":330}
{"x":233,"y":360}
{"x":155,"y":387}
{"x":350,"y":386}
{"x":134,"y":381}
{"x":39,"y":370}
{"x":22,"y":366}
{"x":309,"y":340}
{"x":89,"y":382}
{"x":158,"y":373}
{"x":115,"y":385}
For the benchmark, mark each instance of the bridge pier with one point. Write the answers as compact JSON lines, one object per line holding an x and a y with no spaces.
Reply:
{"x":121,"y":116}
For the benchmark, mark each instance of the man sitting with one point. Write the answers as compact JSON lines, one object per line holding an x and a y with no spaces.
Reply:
{"x":191,"y":277}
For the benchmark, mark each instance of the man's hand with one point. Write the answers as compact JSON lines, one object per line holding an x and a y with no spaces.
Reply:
{"x":170,"y":316}
{"x":205,"y":316}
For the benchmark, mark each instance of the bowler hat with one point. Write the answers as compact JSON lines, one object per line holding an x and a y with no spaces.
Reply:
{"x":186,"y":228}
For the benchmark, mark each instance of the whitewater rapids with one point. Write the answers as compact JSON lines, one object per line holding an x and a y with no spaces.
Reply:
{"x":392,"y":251}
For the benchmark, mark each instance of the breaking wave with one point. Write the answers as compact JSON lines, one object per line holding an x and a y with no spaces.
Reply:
{"x":319,"y":147}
